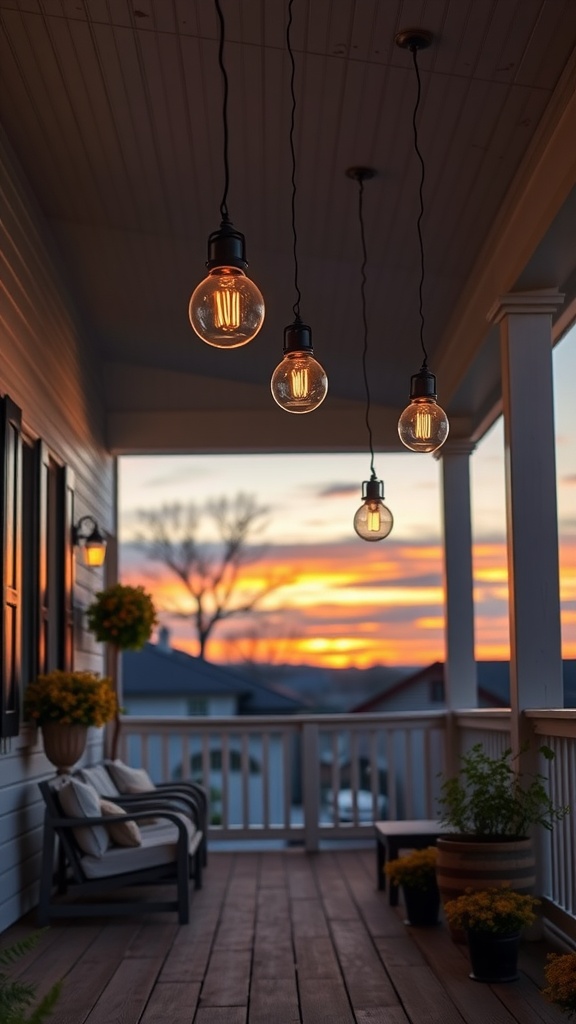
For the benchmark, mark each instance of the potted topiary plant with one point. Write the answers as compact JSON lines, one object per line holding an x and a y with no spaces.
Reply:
{"x":493,"y":920}
{"x":124,"y":617}
{"x":416,"y":873}
{"x":488,"y":810}
{"x":64,"y":705}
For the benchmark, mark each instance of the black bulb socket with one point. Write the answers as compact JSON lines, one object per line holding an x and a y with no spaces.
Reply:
{"x":298,"y":338}
{"x":226,"y":248}
{"x":373,"y":489}
{"x":423,"y":385}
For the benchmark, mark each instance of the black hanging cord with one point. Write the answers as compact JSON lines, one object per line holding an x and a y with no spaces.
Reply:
{"x":224,"y":202}
{"x":296,"y":306}
{"x":365,"y":319}
{"x":414,"y":52}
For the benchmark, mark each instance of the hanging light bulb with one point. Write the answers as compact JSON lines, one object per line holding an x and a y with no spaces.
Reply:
{"x":373,"y":520}
{"x":299,"y":383}
{"x":423,"y":426}
{"x":226,"y":309}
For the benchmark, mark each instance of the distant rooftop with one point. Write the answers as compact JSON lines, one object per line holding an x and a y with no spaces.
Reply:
{"x":159,"y":669}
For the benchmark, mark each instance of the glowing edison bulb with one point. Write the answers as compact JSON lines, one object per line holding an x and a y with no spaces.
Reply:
{"x":299,"y":383}
{"x":226,"y":309}
{"x":373,"y":520}
{"x":423,"y":426}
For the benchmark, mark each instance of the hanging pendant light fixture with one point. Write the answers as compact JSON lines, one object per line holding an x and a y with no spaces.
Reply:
{"x":226,"y":309}
{"x":423,"y":426}
{"x":299,"y":383}
{"x":373,"y":520}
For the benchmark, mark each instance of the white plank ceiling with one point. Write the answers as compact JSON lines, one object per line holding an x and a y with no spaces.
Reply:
{"x":113,"y":109}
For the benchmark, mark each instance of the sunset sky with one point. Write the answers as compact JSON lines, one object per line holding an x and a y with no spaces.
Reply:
{"x":344,"y":602}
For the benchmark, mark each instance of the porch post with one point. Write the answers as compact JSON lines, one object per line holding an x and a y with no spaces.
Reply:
{"x":532,"y":523}
{"x":460,"y":676}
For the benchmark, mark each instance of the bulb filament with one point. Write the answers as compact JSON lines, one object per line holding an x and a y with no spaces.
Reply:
{"x":227,"y":309}
{"x":373,"y":519}
{"x":299,"y":382}
{"x":423,"y":425}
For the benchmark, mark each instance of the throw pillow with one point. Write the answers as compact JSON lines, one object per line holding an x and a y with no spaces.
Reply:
{"x":97,"y":776}
{"x":129,"y":780}
{"x":79,"y":800}
{"x":123,"y":833}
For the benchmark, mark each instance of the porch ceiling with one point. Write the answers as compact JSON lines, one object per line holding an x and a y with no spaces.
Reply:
{"x":113,"y":110}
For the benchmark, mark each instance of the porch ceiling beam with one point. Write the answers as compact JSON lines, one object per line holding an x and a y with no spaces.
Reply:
{"x":541,"y":187}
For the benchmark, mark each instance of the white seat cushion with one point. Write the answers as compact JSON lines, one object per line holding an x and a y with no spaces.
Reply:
{"x":159,"y":846}
{"x":80,"y":800}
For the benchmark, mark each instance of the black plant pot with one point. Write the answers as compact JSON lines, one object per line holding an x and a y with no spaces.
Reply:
{"x":422,"y":905}
{"x":493,"y":958}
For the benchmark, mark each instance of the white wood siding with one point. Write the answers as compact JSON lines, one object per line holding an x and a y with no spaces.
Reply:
{"x":47,"y":368}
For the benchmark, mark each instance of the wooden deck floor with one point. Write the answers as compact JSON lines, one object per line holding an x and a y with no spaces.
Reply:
{"x":276,"y":938}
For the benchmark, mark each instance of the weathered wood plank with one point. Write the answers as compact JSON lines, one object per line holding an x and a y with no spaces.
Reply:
{"x":126,"y":995}
{"x":384,"y":1015}
{"x":364,"y":974}
{"x":274,"y":999}
{"x":175,"y":1002}
{"x":219,"y":1015}
{"x":316,"y":959}
{"x":227,"y":979}
{"x":325,"y":1004}
{"x":423,"y":996}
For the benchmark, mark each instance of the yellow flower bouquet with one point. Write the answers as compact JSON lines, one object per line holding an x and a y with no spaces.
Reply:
{"x":71,"y":698}
{"x":560,"y":973}
{"x":492,"y":911}
{"x":122,"y":615}
{"x":416,"y":870}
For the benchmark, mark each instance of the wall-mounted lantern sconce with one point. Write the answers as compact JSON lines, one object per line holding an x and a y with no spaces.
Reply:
{"x":92,"y":543}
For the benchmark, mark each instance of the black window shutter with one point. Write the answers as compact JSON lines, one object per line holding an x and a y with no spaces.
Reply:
{"x":42,"y":565}
{"x":11,"y":568}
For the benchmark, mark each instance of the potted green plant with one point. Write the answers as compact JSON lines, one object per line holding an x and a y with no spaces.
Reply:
{"x":493,"y":920}
{"x":560,"y":974}
{"x":65,"y":705}
{"x":416,"y":873}
{"x":488,"y":810}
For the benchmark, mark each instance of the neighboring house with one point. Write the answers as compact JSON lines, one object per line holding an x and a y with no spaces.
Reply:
{"x":160,"y":680}
{"x":425,"y":689}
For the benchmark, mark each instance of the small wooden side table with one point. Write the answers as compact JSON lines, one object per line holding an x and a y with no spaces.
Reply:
{"x":393,"y":836}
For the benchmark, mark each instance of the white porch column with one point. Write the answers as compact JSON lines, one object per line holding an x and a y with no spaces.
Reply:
{"x":460,"y":669}
{"x":531,"y":513}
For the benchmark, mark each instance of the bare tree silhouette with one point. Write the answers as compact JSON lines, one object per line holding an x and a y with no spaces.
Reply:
{"x":207,"y":547}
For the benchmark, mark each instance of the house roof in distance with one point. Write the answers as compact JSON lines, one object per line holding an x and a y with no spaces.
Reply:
{"x":159,"y":669}
{"x":493,"y":684}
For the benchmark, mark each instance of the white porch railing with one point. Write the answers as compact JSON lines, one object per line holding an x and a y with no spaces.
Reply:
{"x":309,"y":777}
{"x":298,"y":778}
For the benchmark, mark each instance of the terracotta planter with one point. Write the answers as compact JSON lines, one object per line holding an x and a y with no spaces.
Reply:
{"x":422,"y":905}
{"x":493,"y":958}
{"x":469,"y":863}
{"x":64,"y":744}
